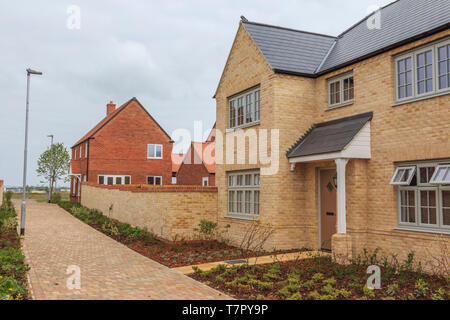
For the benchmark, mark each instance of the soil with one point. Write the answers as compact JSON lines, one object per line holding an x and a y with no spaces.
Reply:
{"x":186,"y":253}
{"x":354,"y":274}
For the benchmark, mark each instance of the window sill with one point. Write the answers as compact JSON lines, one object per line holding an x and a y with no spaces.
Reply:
{"x":240,"y":217}
{"x":337,"y":106}
{"x":422,"y":230}
{"x":424,"y":97}
{"x":154,"y":158}
{"x":243,"y":126}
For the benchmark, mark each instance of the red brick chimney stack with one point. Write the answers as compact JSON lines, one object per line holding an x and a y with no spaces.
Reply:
{"x":110,"y":107}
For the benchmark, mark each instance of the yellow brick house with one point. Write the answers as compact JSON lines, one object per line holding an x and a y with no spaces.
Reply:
{"x":362,"y":122}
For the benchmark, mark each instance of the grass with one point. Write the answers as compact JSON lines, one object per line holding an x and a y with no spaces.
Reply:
{"x":40,"y":197}
{"x":13,"y":270}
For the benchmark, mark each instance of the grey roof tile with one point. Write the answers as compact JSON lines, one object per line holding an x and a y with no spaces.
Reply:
{"x":330,"y":136}
{"x":305,"y":53}
{"x":290,"y":50}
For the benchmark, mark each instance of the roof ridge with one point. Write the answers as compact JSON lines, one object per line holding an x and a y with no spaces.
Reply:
{"x":290,"y":29}
{"x":364,"y":19}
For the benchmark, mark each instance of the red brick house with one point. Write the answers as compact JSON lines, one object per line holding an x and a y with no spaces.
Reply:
{"x":199,"y":163}
{"x":128,"y":146}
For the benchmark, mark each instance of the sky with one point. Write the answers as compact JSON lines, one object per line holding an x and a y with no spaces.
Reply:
{"x":168,"y":54}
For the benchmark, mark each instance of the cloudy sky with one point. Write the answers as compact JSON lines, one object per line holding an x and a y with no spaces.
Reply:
{"x":168,"y":54}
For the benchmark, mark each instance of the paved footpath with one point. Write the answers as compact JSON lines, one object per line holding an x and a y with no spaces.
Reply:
{"x":55,"y":240}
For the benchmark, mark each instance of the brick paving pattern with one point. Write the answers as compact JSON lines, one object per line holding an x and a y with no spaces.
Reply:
{"x":55,"y":240}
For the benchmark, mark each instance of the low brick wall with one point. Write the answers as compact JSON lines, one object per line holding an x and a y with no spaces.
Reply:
{"x":167,"y":211}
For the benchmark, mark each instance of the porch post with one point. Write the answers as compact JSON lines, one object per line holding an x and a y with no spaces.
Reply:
{"x":341,"y":214}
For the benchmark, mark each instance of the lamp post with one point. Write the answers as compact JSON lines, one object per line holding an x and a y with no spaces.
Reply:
{"x":51,"y":170}
{"x":25,"y":151}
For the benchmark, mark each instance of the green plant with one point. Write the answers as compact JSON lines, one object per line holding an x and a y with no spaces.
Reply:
{"x":330,"y":281}
{"x":206,"y":229}
{"x":295,"y":296}
{"x":387,"y":298}
{"x":56,"y":198}
{"x":12,"y":263}
{"x":368,"y":293}
{"x":439,"y":294}
{"x":308,"y":284}
{"x":328,"y":289}
{"x":317,"y":277}
{"x":392,"y":289}
{"x":421,"y":288}
{"x":10,"y":289}
{"x":343,"y":293}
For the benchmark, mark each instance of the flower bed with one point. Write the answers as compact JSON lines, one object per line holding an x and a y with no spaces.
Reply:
{"x":13,"y":270}
{"x":171,"y":254}
{"x":319,"y":278}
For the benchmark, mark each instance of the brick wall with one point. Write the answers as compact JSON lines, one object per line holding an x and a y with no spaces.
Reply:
{"x":168,"y":211}
{"x":289,"y":200}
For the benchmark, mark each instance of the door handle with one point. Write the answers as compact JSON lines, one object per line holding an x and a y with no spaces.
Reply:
{"x":330,"y":213}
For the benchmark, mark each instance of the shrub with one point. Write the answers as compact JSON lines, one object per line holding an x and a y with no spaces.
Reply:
{"x":317,"y":277}
{"x":11,"y":289}
{"x":296,"y":296}
{"x":330,"y":281}
{"x":421,"y":288}
{"x":12,"y":263}
{"x":438,"y":294}
{"x":368,"y":293}
{"x":392,"y":289}
{"x":343,"y":293}
{"x":206,"y":229}
{"x":308,"y":284}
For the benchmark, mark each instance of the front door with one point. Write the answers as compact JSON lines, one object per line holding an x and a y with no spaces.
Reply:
{"x":328,"y":212}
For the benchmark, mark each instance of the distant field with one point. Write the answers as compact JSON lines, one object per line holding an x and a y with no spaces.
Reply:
{"x":41,"y":197}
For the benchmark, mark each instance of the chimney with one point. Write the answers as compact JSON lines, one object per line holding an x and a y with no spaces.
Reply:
{"x":110,"y":107}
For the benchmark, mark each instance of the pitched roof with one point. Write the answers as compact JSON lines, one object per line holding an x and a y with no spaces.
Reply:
{"x":288,"y":49}
{"x":330,"y":136}
{"x":201,"y":150}
{"x":110,"y":116}
{"x":310,"y":54}
{"x":176,"y":163}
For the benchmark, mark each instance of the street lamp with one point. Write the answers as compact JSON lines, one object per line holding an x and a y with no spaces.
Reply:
{"x":51,"y":170}
{"x":25,"y":151}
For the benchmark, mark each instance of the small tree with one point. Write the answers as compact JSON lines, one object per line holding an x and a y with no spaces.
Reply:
{"x":53,"y":165}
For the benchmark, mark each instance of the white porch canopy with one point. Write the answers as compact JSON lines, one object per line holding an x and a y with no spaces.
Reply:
{"x":338,"y":140}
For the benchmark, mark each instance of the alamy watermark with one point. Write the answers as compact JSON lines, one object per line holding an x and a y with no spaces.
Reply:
{"x":73,"y":21}
{"x":374,"y":20}
{"x":73,"y":282}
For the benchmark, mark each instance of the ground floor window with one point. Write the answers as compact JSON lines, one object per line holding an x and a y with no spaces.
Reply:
{"x":154,"y":180}
{"x":423,"y":196}
{"x":109,"y":179}
{"x":243,"y":193}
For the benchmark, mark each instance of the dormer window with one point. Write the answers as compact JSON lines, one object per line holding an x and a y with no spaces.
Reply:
{"x":340,"y":90}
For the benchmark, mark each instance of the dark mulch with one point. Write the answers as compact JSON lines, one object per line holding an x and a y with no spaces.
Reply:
{"x":9,"y":239}
{"x":184,"y":253}
{"x":352,"y":278}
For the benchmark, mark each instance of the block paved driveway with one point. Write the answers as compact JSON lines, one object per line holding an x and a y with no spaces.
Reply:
{"x":55,"y":240}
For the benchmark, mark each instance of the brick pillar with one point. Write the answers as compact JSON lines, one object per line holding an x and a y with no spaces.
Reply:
{"x":341,"y":248}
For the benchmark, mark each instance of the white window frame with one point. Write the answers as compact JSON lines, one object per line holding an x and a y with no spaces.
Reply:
{"x":86,"y":150}
{"x":205,"y":179}
{"x":435,"y":70}
{"x":155,"y":147}
{"x":340,"y":79}
{"x":245,"y":191}
{"x":254,"y":113}
{"x":447,"y":172}
{"x":114,"y":176}
{"x":154,"y":180}
{"x":439,"y":227}
{"x":403,"y":183}
{"x":75,"y":154}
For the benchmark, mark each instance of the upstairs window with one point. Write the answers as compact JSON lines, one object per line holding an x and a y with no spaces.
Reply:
{"x":340,"y":90}
{"x":423,"y":72}
{"x":441,"y":175}
{"x":244,"y":109}
{"x":443,"y":66}
{"x":154,"y":151}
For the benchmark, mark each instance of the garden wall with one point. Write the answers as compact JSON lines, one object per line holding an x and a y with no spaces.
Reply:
{"x":167,"y":211}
